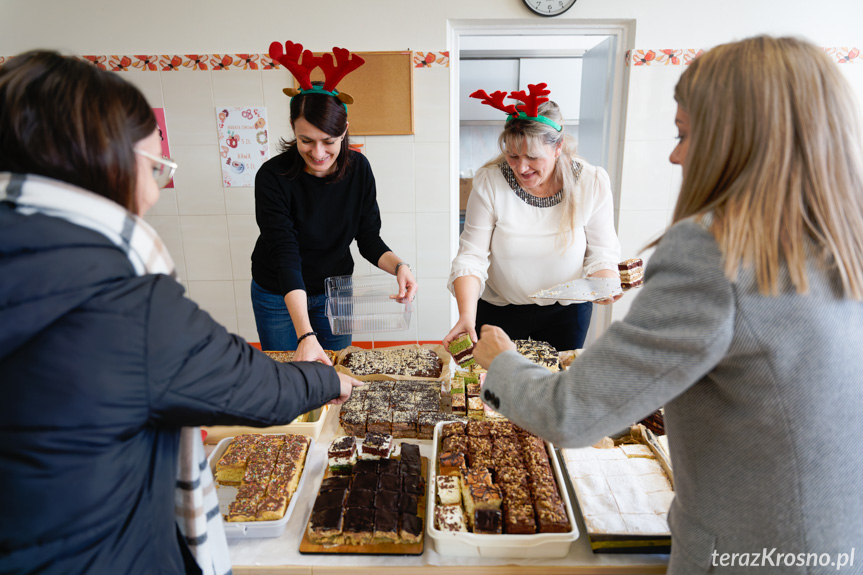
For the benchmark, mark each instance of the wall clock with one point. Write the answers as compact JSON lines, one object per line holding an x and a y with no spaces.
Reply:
{"x":549,"y":7}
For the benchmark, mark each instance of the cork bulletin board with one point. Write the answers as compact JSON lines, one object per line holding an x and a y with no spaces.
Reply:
{"x":383,"y":92}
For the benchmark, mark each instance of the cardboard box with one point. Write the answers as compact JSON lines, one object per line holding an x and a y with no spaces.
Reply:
{"x":465,"y":185}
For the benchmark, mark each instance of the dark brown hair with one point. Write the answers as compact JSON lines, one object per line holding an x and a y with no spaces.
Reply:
{"x":326,"y":113}
{"x":68,"y":120}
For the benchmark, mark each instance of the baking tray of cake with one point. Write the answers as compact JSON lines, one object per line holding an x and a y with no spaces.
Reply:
{"x":357,"y":512}
{"x":624,"y":487}
{"x":505,"y":542}
{"x":399,"y":362}
{"x":227,"y":494}
{"x":309,"y":424}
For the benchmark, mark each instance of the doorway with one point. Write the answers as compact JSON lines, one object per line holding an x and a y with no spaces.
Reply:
{"x":584,"y":63}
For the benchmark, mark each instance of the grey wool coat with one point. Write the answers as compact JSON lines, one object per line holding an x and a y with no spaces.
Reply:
{"x":763,"y":407}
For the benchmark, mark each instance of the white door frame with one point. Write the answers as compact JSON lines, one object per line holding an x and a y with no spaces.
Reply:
{"x":623,"y":30}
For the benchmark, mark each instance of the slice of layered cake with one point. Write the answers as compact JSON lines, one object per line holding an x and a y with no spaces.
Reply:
{"x":342,"y":455}
{"x":461,"y":349}
{"x":631,"y":273}
{"x":376,"y":446}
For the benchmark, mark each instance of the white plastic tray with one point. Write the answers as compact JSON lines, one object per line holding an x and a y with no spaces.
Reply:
{"x":543,"y":545}
{"x":226,"y":494}
{"x":311,"y":427}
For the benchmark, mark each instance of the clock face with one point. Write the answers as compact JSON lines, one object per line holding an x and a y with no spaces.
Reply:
{"x":549,"y":7}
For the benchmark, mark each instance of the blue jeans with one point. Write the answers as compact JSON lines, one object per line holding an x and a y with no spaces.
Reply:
{"x":276,"y":330}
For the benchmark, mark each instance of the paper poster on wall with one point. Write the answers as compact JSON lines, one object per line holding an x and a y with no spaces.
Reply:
{"x":243,"y":144}
{"x":163,"y":133}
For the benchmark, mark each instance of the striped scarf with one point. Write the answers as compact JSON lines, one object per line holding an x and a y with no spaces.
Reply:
{"x":196,"y":506}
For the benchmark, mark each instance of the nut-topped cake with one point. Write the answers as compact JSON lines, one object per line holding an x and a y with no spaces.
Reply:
{"x":539,"y":352}
{"x":404,"y":362}
{"x":506,"y":479}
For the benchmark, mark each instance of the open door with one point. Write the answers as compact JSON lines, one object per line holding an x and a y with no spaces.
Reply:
{"x":594,"y":133}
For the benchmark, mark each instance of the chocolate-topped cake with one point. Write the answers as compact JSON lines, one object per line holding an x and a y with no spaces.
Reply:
{"x":410,"y":528}
{"x":388,"y":466}
{"x":335,"y":483}
{"x":408,"y":503}
{"x":410,"y":453}
{"x":404,"y":362}
{"x":354,"y":422}
{"x":380,"y":421}
{"x":488,"y":521}
{"x":390,"y":482}
{"x":365,"y":481}
{"x":359,"y":525}
{"x":405,"y":424}
{"x":411,"y":484}
{"x":366,"y":466}
{"x":360,"y":498}
{"x":330,"y":499}
{"x":386,"y":526}
{"x":325,"y":526}
{"x":271,"y":508}
{"x":539,"y":352}
{"x":386,"y":499}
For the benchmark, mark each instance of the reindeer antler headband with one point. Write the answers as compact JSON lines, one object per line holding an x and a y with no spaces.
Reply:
{"x":527,"y":111}
{"x":334,"y":70}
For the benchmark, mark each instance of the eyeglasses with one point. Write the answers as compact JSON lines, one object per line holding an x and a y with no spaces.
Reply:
{"x":164,"y":169}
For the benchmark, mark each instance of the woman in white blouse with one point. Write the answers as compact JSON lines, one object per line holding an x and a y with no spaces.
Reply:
{"x":537,"y":216}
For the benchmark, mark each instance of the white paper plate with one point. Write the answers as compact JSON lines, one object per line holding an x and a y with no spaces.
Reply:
{"x":588,"y":289}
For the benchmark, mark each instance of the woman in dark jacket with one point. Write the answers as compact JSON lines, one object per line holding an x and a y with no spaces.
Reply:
{"x":102,"y":359}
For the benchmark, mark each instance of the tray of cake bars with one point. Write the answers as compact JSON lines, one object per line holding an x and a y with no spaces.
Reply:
{"x":371,"y":500}
{"x":400,"y":362}
{"x":624,"y":487}
{"x":496,"y":490}
{"x":257,"y":476}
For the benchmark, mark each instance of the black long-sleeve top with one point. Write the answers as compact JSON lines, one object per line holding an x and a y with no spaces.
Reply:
{"x":307,"y":225}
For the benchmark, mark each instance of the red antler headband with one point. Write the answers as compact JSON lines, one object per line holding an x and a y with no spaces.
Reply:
{"x":334,"y":69}
{"x":529,"y":110}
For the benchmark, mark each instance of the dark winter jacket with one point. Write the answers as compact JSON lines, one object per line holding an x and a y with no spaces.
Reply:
{"x":99,"y":369}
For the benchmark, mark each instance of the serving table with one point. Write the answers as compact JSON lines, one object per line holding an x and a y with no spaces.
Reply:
{"x":281,"y":556}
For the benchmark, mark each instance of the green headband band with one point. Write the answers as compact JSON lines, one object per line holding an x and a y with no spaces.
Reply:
{"x":541,"y":119}
{"x":320,"y":90}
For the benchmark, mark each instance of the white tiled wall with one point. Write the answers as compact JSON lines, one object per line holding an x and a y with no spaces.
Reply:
{"x":649,"y":182}
{"x":211,"y":231}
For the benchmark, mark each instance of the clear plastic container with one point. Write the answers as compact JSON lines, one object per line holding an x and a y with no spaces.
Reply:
{"x":367,"y":314}
{"x":360,"y":286}
{"x":362,"y":304}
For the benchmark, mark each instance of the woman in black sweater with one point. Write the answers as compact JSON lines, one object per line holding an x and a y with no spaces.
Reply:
{"x":311,"y":202}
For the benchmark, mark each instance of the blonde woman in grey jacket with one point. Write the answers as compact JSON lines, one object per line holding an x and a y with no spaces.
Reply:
{"x":749,"y":327}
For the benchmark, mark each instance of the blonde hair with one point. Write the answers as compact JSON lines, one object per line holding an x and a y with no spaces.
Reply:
{"x":531,"y":138}
{"x":775,"y":155}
